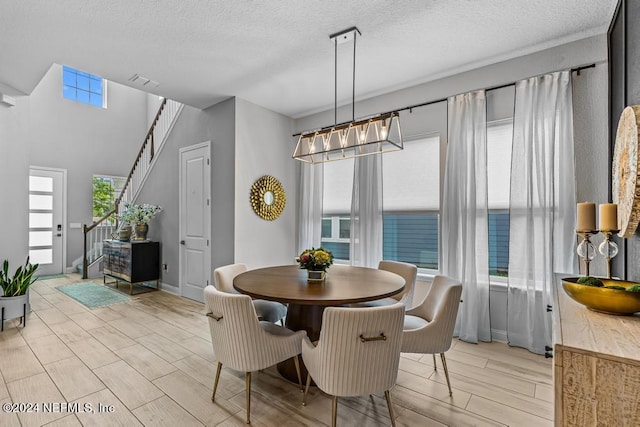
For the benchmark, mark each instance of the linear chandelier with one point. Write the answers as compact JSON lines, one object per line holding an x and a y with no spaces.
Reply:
{"x":371,"y":135}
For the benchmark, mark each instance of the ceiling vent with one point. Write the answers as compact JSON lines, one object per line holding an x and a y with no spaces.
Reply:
{"x":143,"y":81}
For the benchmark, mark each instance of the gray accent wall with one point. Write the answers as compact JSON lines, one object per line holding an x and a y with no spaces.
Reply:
{"x":217,"y":125}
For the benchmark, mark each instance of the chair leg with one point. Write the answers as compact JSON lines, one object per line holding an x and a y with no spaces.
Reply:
{"x":215,"y":384}
{"x":334,"y":411}
{"x":387,"y":395}
{"x":306,"y":390}
{"x":446,"y":372}
{"x":435,"y":367}
{"x":248,"y":392}
{"x":296,"y":361}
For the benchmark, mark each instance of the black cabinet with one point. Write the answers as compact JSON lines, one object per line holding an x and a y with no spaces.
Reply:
{"x":132,"y":262}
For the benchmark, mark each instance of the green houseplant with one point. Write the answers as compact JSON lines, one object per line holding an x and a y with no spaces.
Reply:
{"x":15,"y":290}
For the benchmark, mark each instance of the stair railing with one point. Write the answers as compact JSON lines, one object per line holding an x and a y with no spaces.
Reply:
{"x":97,"y":232}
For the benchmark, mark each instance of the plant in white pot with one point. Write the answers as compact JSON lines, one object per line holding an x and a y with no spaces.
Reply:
{"x":15,"y":291}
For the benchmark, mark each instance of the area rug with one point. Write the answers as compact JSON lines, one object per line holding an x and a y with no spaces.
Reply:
{"x":93,"y":295}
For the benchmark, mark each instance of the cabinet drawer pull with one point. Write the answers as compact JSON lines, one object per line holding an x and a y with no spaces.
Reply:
{"x":381,"y":337}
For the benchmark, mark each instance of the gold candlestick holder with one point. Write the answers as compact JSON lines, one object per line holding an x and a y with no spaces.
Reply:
{"x":608,"y":248}
{"x":586,"y":250}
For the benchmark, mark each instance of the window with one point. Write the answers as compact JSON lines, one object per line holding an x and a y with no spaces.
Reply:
{"x":411,"y":195}
{"x":83,"y":87}
{"x":499,"y":137}
{"x":336,"y":207}
{"x":411,"y":202}
{"x":105,"y":191}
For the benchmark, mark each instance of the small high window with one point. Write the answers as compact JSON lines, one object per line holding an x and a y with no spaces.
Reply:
{"x":83,"y":87}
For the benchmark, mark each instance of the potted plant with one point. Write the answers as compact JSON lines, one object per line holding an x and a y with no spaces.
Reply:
{"x":15,"y":290}
{"x":139,"y":215}
{"x":316,"y":262}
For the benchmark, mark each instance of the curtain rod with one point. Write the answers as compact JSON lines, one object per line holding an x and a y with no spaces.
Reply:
{"x":424,"y":104}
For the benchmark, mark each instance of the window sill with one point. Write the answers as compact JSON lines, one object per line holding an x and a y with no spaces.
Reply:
{"x":497,"y":283}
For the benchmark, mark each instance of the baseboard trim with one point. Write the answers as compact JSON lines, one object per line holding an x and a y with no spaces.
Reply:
{"x":499,"y":335}
{"x":166,"y":287}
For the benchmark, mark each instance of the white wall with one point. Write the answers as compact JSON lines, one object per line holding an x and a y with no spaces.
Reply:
{"x":46,"y":130}
{"x":14,"y":172}
{"x":263,"y":147}
{"x":590,"y":117}
{"x":85,"y":140}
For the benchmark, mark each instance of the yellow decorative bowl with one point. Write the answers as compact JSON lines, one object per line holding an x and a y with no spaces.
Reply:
{"x":610,"y":301}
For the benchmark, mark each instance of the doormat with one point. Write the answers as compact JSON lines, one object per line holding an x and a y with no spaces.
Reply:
{"x":93,"y":295}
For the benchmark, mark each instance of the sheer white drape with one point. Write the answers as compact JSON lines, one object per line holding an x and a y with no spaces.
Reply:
{"x":465,"y":231}
{"x":542,"y":205}
{"x":311,"y":188}
{"x":366,"y":212}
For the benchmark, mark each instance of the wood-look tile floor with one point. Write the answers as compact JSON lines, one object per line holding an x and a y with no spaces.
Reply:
{"x":150,"y":362}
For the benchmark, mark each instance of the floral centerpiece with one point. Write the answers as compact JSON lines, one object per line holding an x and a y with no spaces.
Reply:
{"x":139,"y":215}
{"x":316,"y":262}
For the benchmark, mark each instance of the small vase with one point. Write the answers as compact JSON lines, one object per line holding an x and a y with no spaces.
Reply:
{"x":315,"y":276}
{"x":124,"y":234}
{"x":141,"y":231}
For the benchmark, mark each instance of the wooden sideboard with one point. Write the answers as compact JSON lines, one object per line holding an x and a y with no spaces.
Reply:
{"x":596,"y":365}
{"x":132,"y":262}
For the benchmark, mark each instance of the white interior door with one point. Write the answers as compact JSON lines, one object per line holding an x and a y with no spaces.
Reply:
{"x":195,"y":220}
{"x":46,"y":219}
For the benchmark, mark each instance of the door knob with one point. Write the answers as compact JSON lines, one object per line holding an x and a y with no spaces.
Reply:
{"x":59,"y":234}
{"x":182,"y":242}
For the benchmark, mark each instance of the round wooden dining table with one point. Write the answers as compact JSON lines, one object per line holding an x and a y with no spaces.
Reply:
{"x":343,"y":285}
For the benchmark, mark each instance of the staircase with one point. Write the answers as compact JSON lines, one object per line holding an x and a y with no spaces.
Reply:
{"x":103,"y":228}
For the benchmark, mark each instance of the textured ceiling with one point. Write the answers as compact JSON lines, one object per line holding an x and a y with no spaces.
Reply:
{"x":276,"y":53}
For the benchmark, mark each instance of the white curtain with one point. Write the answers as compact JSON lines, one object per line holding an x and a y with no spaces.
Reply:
{"x":311,"y":185}
{"x":542,"y":205}
{"x":465,"y":243}
{"x":366,"y":212}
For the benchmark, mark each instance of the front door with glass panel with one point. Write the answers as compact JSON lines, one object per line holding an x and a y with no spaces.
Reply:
{"x":46,"y":226}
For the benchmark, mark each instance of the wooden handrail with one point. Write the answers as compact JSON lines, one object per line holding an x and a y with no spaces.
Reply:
{"x":88,"y":228}
{"x":141,"y":151}
{"x":114,"y":212}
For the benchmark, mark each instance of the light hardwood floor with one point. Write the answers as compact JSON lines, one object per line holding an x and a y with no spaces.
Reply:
{"x":150,"y":361}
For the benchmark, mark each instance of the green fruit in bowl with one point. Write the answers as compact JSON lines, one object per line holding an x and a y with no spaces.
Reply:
{"x":634,"y":288}
{"x":616,"y":287}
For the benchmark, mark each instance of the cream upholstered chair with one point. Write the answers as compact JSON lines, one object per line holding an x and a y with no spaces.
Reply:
{"x":271,"y":311}
{"x":428,"y":328}
{"x":243,"y":343}
{"x":358,"y":352}
{"x":408,"y":272}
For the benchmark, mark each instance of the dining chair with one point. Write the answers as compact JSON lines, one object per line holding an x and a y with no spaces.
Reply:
{"x":242,"y":342}
{"x":271,"y":311}
{"x":408,"y":272}
{"x":357,"y":353}
{"x":428,"y":328}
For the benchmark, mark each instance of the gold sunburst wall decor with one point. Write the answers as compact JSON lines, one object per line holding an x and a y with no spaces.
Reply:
{"x":267,"y":197}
